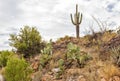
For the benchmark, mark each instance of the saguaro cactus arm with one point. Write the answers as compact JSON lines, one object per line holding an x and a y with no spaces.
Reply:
{"x":80,"y":19}
{"x":76,"y":9}
{"x":72,"y":19}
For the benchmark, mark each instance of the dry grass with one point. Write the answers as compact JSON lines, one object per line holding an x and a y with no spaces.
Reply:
{"x":107,"y":36}
{"x":109,"y":70}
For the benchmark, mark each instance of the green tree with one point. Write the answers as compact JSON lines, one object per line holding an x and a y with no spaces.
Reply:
{"x":17,"y":70}
{"x":4,"y":56}
{"x":27,"y":42}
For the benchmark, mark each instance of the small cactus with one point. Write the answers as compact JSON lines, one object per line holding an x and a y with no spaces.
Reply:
{"x":74,"y":54}
{"x":61,"y":67}
{"x":46,"y":55}
{"x":115,"y":55}
{"x":77,"y":20}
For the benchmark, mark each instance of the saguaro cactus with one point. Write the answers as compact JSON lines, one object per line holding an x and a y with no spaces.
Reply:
{"x":77,"y":20}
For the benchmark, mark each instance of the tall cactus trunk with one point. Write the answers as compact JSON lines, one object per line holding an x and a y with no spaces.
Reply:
{"x":77,"y":31}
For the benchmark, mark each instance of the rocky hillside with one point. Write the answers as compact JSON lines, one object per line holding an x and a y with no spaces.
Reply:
{"x":88,"y":58}
{"x":93,"y":68}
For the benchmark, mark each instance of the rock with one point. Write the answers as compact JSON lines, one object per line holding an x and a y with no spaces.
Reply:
{"x":81,"y":78}
{"x":76,"y":77}
{"x":115,"y":78}
{"x":36,"y":58}
{"x":2,"y":78}
{"x":103,"y":79}
{"x":55,"y":70}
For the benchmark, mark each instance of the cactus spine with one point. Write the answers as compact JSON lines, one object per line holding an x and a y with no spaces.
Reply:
{"x":77,"y":20}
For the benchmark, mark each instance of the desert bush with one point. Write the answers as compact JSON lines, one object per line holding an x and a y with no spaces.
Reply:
{"x":4,"y":56}
{"x":115,"y":55}
{"x":27,"y":42}
{"x":17,"y":70}
{"x":46,"y":54}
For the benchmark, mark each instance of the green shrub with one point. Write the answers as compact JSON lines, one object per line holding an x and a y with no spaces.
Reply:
{"x":115,"y":55}
{"x":17,"y":70}
{"x":4,"y":56}
{"x":27,"y":42}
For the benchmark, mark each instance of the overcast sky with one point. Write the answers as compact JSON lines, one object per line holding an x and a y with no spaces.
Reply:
{"x":52,"y":17}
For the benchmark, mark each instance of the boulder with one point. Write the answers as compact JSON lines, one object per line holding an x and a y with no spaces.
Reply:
{"x":2,"y":78}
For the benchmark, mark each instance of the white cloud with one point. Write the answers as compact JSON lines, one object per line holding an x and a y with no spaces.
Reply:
{"x":52,"y":18}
